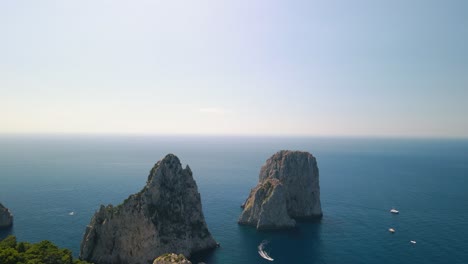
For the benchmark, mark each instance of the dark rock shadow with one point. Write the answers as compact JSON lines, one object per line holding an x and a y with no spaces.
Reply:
{"x":206,"y":256}
{"x":5,"y":231}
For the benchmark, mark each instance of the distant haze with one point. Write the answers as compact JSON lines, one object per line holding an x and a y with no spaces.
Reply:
{"x":358,"y":68}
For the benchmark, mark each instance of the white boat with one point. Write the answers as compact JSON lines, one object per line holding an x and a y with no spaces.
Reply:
{"x":262,"y":252}
{"x":394,"y":211}
{"x":413,"y":242}
{"x":391,"y":230}
{"x":71,"y":213}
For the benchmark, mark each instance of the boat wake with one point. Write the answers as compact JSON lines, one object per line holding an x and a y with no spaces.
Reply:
{"x":262,"y":252}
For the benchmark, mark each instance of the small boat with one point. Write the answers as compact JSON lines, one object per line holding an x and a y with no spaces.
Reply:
{"x":262,"y":252}
{"x":71,"y":213}
{"x":391,"y":230}
{"x":394,"y":211}
{"x":413,"y":242}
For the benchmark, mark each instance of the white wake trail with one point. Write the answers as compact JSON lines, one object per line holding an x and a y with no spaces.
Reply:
{"x":261,"y":251}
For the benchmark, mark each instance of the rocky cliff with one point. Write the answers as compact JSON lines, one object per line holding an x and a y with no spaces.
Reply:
{"x":6,"y":218}
{"x":165,"y":216}
{"x":288,"y":189}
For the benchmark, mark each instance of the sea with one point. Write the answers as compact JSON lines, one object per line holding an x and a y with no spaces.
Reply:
{"x":53,"y":184}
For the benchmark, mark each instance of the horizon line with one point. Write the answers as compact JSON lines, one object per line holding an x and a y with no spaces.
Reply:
{"x":241,"y":135}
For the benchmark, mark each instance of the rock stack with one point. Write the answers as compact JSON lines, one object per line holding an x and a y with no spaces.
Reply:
{"x":288,"y":189}
{"x":165,"y":216}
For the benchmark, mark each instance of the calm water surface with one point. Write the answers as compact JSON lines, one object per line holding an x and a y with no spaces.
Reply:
{"x":44,"y":178}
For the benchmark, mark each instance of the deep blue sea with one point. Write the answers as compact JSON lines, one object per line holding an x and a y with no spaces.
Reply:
{"x":44,"y":178}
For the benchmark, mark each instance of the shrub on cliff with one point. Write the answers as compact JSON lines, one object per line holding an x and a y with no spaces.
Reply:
{"x":12,"y":252}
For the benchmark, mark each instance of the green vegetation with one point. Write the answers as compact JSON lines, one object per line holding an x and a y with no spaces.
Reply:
{"x":171,"y":257}
{"x":44,"y":252}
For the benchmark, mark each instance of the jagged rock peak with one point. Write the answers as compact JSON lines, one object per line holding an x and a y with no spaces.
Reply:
{"x":6,"y":217}
{"x":288,"y":189}
{"x":165,"y":216}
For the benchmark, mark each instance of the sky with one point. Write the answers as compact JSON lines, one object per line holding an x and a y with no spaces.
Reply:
{"x":309,"y":68}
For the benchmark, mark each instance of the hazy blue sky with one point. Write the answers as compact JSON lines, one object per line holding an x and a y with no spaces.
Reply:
{"x":382,"y":68}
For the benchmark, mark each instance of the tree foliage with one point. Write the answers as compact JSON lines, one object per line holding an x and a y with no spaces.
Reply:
{"x":44,"y":252}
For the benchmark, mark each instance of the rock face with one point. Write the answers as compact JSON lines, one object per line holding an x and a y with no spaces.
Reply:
{"x":165,"y":216}
{"x":6,"y":218}
{"x":288,"y":189}
{"x":171,"y":258}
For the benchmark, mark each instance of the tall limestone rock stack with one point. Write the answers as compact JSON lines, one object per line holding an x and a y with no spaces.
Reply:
{"x":288,"y":189}
{"x":6,"y":218}
{"x":165,"y":216}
